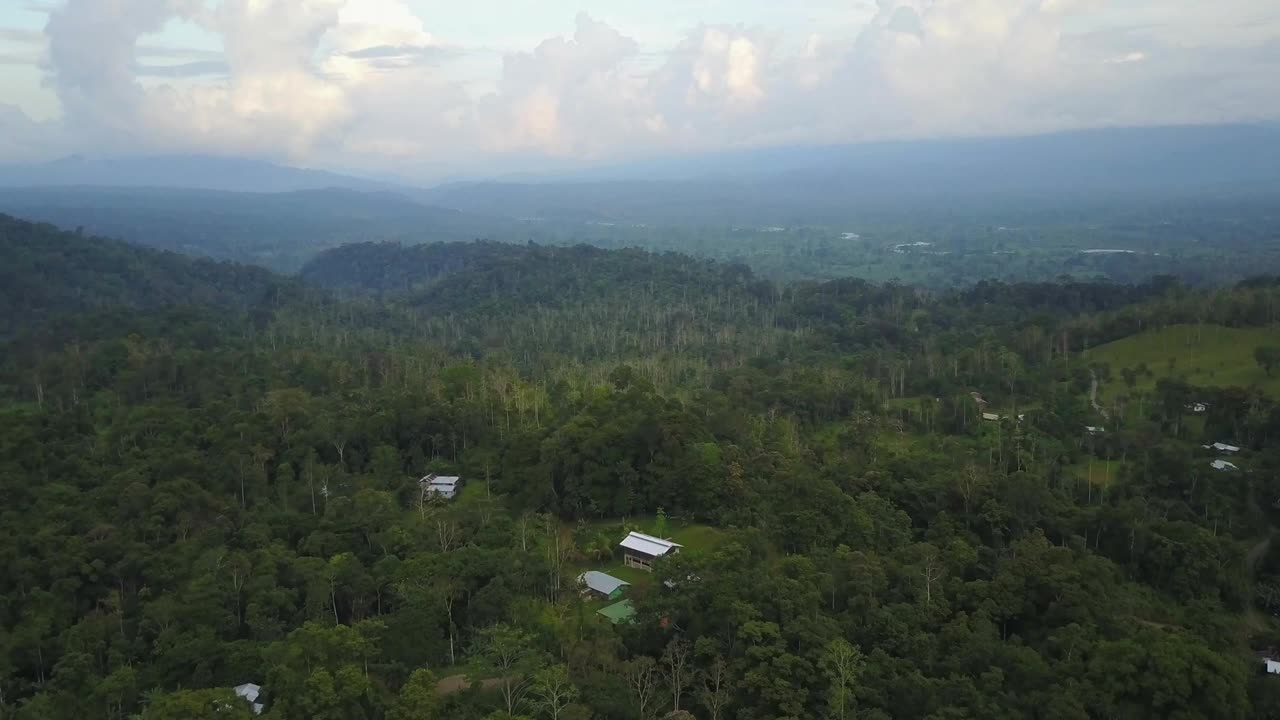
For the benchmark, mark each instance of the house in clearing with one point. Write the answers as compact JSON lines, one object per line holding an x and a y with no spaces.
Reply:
{"x":640,"y":550}
{"x":1223,"y":465}
{"x":444,"y":487}
{"x":602,"y":584}
{"x":619,"y":612}
{"x":250,"y":692}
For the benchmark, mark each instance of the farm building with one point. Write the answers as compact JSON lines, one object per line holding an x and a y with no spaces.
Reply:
{"x":440,"y":486}
{"x":1269,"y":662}
{"x":250,"y":692}
{"x":1223,"y":465}
{"x":619,"y":612}
{"x":1223,"y":447}
{"x":602,"y":584}
{"x":640,"y":550}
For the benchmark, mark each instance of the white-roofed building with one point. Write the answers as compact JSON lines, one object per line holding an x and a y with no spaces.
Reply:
{"x":1223,"y":447}
{"x":440,"y":486}
{"x":1223,"y":465}
{"x":250,"y":693}
{"x":602,"y":584}
{"x":640,"y":550}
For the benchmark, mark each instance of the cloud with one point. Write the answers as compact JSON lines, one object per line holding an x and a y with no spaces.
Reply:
{"x":24,"y":140}
{"x":366,"y":83}
{"x":196,"y":68}
{"x":568,"y":97}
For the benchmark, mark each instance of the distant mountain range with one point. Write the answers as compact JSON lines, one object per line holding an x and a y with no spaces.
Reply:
{"x":815,"y":185}
{"x":1159,"y":158}
{"x":259,"y":212}
{"x":196,"y":172}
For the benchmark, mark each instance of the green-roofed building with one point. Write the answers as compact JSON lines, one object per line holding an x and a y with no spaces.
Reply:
{"x":619,"y":612}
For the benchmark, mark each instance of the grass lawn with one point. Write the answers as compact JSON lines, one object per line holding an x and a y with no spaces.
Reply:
{"x":1100,"y":474}
{"x":1205,"y":355}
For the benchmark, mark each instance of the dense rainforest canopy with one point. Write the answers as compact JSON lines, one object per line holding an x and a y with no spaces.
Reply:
{"x":888,"y":499}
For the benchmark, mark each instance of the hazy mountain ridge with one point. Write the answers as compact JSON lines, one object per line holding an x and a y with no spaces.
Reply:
{"x":203,"y":172}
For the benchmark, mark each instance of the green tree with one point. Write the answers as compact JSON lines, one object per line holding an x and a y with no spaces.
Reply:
{"x":216,"y":704}
{"x":843,"y":663}
{"x":418,"y":698}
{"x":507,"y":655}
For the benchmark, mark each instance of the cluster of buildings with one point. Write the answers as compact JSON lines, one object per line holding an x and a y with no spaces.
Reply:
{"x":639,"y":551}
{"x":1221,"y":463}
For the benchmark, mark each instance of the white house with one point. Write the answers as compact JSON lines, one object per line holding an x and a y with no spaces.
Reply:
{"x":1223,"y":447}
{"x":1271,"y":664}
{"x":1094,"y":429}
{"x":441,"y":486}
{"x":1223,"y":465}
{"x":250,"y":692}
{"x":640,"y":550}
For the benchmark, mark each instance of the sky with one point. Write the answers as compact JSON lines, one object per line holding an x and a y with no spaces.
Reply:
{"x":425,"y":89}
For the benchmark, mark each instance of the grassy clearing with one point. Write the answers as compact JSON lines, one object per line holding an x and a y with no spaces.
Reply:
{"x":1205,"y":355}
{"x":1100,"y":473}
{"x":695,"y":537}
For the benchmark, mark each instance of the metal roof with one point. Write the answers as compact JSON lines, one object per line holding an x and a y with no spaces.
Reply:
{"x":600,"y":582}
{"x":618,"y":612}
{"x":441,"y":480}
{"x":648,"y":544}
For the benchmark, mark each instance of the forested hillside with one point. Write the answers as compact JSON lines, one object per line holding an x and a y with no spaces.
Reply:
{"x":50,"y":277}
{"x":887,"y":497}
{"x":280,"y":230}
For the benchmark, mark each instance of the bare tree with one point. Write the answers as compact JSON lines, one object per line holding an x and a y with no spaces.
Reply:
{"x":642,"y":677}
{"x":713,"y":690}
{"x":676,"y":670}
{"x":553,"y":691}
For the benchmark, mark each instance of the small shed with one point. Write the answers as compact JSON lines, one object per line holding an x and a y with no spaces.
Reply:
{"x":619,"y":612}
{"x":640,"y":550}
{"x":250,"y":693}
{"x":990,"y":417}
{"x":444,"y":487}
{"x":602,"y":584}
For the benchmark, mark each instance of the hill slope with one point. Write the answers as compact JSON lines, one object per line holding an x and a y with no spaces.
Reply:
{"x":49,"y":274}
{"x":1204,"y":355}
{"x":280,"y":231}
